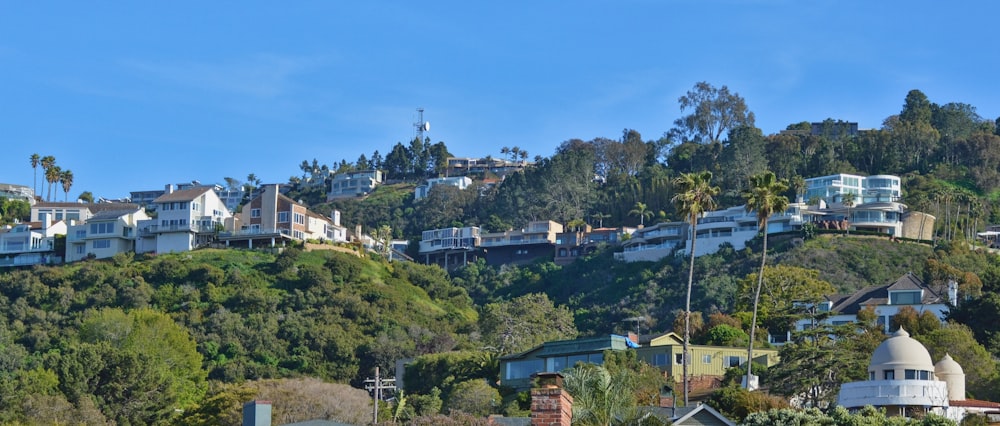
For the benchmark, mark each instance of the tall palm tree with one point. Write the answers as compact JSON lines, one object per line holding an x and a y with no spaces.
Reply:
{"x":642,"y":211}
{"x":848,"y":200}
{"x":47,"y":163}
{"x":764,"y":197}
{"x":52,"y":176}
{"x":694,"y":196}
{"x":66,"y":179}
{"x":35,"y":161}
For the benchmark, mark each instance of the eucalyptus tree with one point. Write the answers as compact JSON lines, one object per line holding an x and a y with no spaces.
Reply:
{"x":694,"y":196}
{"x":764,"y":197}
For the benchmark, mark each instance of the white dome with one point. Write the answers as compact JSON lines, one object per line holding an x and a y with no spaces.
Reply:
{"x":900,"y":352}
{"x":947,"y":365}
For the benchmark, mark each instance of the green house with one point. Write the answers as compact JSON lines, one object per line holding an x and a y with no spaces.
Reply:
{"x":552,"y":357}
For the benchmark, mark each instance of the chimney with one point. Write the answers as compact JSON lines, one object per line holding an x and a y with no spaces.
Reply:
{"x":257,"y":413}
{"x":169,"y":189}
{"x":953,"y":292}
{"x":551,"y":405}
{"x":634,"y":337}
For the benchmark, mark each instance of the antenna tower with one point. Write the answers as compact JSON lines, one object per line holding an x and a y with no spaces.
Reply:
{"x":421,"y":125}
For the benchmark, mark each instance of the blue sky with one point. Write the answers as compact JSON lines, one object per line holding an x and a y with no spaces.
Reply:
{"x":134,"y":95}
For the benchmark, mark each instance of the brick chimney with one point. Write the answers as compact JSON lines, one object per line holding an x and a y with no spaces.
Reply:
{"x":551,"y":405}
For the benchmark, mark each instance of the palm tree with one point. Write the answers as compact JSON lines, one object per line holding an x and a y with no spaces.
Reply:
{"x":35,"y":160}
{"x":66,"y":179}
{"x":600,"y":218}
{"x":764,"y":197}
{"x":642,"y":211}
{"x":47,"y":163}
{"x":694,"y":196}
{"x":848,"y":201}
{"x":87,"y":197}
{"x":52,"y":176}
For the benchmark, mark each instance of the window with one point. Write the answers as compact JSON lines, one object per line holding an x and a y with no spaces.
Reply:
{"x":734,"y":361}
{"x":298,"y":234}
{"x":523,"y":369}
{"x":282,"y":217}
{"x":904,"y":298}
{"x":102,"y":228}
{"x":917,"y":375}
{"x":889,"y":375}
{"x":81,"y":233}
{"x":102,"y":244}
{"x":871,"y":375}
{"x":80,"y":248}
{"x":659,"y":359}
{"x":706,"y":359}
{"x":300,"y":219}
{"x":678,"y":358}
{"x":254,"y":212}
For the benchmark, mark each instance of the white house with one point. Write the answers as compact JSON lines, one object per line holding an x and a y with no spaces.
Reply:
{"x":903,"y":380}
{"x":460,"y":182}
{"x":30,"y":243}
{"x":271,"y":219}
{"x":734,"y":226}
{"x":104,"y":234}
{"x":185,"y":219}
{"x":886,"y":301}
{"x":354,"y":184}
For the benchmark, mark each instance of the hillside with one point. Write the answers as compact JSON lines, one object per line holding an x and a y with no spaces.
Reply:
{"x":230,"y":315}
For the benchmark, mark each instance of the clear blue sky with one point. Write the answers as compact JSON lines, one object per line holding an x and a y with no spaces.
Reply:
{"x":134,"y":95}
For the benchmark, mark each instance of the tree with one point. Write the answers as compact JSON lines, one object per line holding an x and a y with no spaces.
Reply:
{"x":642,"y":211}
{"x":817,"y":361}
{"x":86,"y":196}
{"x":475,"y":397}
{"x":787,"y":288}
{"x":524,"y":322}
{"x":694,"y":196}
{"x":764,"y":197}
{"x":52,"y":177}
{"x":48,"y":162}
{"x":715,"y":111}
{"x":608,"y":394}
{"x":35,"y":160}
{"x":66,"y":179}
{"x":848,"y":201}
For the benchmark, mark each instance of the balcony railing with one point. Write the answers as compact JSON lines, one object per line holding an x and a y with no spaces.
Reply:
{"x":189,"y":227}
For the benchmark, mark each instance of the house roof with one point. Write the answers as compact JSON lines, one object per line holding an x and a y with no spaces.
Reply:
{"x":702,"y":411}
{"x":879,"y":295}
{"x":112,"y":214}
{"x":93,"y":207}
{"x":182,"y":195}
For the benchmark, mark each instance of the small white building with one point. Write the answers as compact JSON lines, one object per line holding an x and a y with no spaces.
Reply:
{"x":460,"y":182}
{"x":30,"y":243}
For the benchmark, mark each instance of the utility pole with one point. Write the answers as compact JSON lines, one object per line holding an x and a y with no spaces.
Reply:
{"x":376,"y":385}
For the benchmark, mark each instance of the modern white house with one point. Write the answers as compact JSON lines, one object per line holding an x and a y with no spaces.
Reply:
{"x":185,"y":219}
{"x":30,"y":243}
{"x":885,"y":300}
{"x":105,"y":234}
{"x":460,"y":182}
{"x":449,"y":247}
{"x":734,"y":226}
{"x":876,"y":208}
{"x":17,"y":192}
{"x":903,"y":380}
{"x":354,"y":184}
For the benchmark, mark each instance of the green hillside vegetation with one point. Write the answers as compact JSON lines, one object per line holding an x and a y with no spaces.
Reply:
{"x":89,"y":332}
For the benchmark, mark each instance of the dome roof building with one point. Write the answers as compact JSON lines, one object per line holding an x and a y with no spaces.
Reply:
{"x":900,"y":379}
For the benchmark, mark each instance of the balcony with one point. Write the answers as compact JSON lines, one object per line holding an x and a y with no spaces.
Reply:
{"x":894,"y":392}
{"x":196,"y":228}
